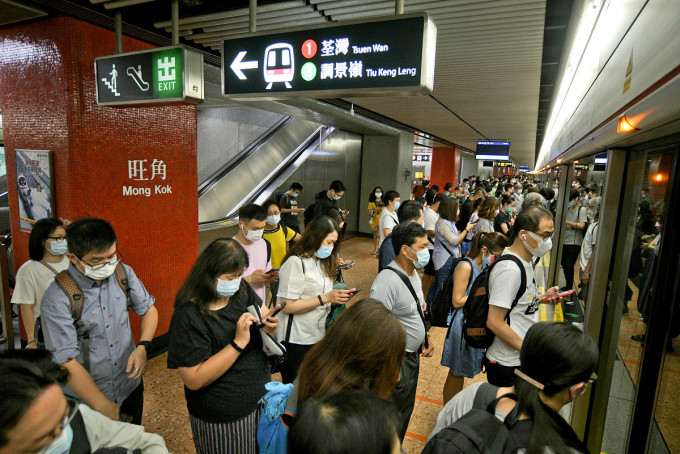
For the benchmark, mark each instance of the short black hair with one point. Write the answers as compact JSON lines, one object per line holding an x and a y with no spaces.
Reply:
{"x":439,"y":197}
{"x":409,"y":211}
{"x":24,"y":375}
{"x":268,"y":203}
{"x":295,"y":186}
{"x":390,"y":195}
{"x":448,"y":186}
{"x":421,"y":200}
{"x":252,"y":211}
{"x":348,"y":421}
{"x":41,"y":230}
{"x":90,"y":235}
{"x":406,"y":234}
{"x":337,"y":186}
{"x":508,"y":186}
{"x":573,"y":194}
{"x":529,"y":219}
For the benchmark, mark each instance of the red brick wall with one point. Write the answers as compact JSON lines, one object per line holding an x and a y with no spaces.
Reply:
{"x":445,"y":166}
{"x":47,"y":97}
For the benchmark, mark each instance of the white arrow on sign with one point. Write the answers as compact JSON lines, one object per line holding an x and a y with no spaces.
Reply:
{"x":237,"y":65}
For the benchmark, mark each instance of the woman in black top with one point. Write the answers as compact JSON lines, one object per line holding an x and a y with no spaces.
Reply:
{"x":502,"y":221}
{"x":217,"y":349}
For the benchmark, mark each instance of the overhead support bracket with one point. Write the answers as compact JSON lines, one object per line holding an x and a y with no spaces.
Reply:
{"x":252,"y":16}
{"x":398,"y":6}
{"x":175,"y":22}
{"x":119,"y":31}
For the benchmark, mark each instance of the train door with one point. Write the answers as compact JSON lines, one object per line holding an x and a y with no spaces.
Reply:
{"x":631,"y":308}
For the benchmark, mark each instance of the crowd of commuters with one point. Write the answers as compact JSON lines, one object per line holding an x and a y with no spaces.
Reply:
{"x":272,"y":298}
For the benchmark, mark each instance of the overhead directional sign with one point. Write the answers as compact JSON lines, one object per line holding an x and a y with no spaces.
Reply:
{"x":161,"y":75}
{"x":385,"y":55}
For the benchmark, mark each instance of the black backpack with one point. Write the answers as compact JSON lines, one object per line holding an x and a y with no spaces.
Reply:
{"x":441,"y":307}
{"x":479,"y":431}
{"x":476,"y":309}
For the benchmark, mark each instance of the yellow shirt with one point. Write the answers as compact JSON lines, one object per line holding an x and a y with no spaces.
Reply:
{"x":376,"y":209}
{"x":278,"y":242}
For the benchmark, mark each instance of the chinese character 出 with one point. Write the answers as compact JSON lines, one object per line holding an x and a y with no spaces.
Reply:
{"x":136,"y":170}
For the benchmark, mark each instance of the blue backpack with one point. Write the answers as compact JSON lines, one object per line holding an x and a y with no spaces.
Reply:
{"x":280,"y":405}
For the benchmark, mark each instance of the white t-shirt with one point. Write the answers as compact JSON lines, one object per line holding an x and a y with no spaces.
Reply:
{"x":295,"y":284}
{"x":588,"y":244}
{"x":504,"y":282}
{"x":431,"y":217}
{"x":32,"y":280}
{"x":387,"y":221}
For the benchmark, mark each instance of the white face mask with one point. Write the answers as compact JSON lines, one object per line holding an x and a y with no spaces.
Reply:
{"x":252,"y":235}
{"x":273,"y":219}
{"x":544,"y":246}
{"x":99,"y":272}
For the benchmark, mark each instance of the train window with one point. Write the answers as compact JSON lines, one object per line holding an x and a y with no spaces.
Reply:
{"x":271,"y":59}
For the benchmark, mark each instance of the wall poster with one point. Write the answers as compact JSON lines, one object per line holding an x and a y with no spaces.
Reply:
{"x":34,"y":186}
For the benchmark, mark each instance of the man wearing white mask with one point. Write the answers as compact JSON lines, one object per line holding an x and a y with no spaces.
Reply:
{"x":399,"y":288}
{"x":252,"y":219}
{"x":531,"y":238}
{"x":85,"y":320}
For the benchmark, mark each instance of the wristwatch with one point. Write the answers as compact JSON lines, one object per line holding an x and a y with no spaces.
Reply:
{"x":146,"y":345}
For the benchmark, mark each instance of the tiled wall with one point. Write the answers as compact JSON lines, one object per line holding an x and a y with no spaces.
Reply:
{"x":47,"y":97}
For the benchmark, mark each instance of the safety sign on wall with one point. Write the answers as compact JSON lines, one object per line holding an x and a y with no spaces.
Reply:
{"x":158,"y":75}
{"x":391,"y":54}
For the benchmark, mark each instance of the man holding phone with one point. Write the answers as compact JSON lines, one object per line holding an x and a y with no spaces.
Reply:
{"x":251,"y":222}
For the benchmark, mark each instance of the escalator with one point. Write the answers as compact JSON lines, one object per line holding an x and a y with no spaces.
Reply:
{"x":255,"y":173}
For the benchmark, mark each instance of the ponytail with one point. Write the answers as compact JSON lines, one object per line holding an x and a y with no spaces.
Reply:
{"x":554,"y":357}
{"x":493,"y":241}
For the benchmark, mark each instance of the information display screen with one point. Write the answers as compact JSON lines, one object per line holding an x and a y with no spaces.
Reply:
{"x":494,"y":150}
{"x":387,"y":54}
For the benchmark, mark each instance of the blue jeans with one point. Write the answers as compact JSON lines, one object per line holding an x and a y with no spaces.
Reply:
{"x":440,"y":276}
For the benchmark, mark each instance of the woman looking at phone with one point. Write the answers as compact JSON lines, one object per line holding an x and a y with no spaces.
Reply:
{"x":217,"y":349}
{"x":306,"y":285}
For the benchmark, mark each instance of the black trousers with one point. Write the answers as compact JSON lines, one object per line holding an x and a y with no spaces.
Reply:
{"x":295,"y":355}
{"x":404,"y":395}
{"x":133,"y":405}
{"x":497,"y":374}
{"x":569,"y":257}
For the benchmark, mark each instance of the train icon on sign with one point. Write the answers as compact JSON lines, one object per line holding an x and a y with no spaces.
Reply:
{"x":279,"y":64}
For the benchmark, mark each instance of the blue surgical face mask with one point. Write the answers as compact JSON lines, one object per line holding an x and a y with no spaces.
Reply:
{"x":57,"y":247}
{"x":571,"y":204}
{"x":228,"y":288}
{"x":274,"y":219}
{"x":62,"y":443}
{"x":423,"y":258}
{"x":397,"y":205}
{"x":324,"y":252}
{"x":378,"y":194}
{"x":336,"y":197}
{"x":486,"y":261}
{"x":294,"y":195}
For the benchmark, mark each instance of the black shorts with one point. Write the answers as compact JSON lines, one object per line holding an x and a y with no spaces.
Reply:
{"x":429,"y":268}
{"x":497,"y":374}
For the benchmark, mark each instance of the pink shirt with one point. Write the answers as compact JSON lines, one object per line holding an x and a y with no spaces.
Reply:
{"x":257,"y":260}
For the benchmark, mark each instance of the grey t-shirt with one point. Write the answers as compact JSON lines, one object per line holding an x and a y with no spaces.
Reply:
{"x":576,"y":214}
{"x":389,"y":289}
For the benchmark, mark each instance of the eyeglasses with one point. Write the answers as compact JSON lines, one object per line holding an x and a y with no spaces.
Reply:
{"x":545,"y":237}
{"x":118,"y":257}
{"x":57,"y":239}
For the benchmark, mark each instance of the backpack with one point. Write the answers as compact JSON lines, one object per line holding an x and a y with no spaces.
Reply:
{"x":309,"y":214}
{"x":480,"y":431}
{"x":75,"y":295}
{"x":476,"y":309}
{"x":280,"y":405}
{"x":441,"y":308}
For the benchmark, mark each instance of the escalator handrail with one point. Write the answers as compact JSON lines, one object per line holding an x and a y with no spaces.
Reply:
{"x":291,"y":158}
{"x":241,"y":157}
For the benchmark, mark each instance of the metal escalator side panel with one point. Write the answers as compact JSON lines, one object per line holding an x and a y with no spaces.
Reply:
{"x":245,"y":180}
